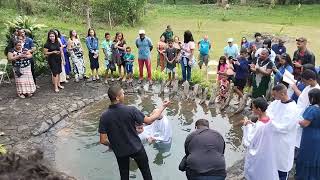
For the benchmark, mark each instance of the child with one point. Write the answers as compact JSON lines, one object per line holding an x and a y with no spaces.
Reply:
{"x":222,"y":67}
{"x":161,"y":48}
{"x":260,"y":159}
{"x":129,"y":58}
{"x":204,"y":46}
{"x":170,"y":55}
{"x":224,"y":87}
{"x":106,"y":47}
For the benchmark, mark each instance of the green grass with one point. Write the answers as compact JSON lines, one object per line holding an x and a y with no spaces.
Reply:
{"x":218,"y":23}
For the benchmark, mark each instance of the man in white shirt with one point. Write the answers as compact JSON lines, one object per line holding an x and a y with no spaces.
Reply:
{"x":309,"y":78}
{"x":231,"y":49}
{"x":284,"y":116}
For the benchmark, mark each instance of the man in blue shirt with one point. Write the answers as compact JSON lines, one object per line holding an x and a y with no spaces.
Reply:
{"x":144,"y":45}
{"x":241,"y":67}
{"x":28,"y":44}
{"x":231,"y":49}
{"x":204,"y":46}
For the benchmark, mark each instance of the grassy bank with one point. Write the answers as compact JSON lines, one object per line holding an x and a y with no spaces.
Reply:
{"x":219,"y":24}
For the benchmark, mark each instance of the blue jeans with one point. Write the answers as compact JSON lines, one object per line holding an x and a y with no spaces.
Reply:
{"x":186,"y":70}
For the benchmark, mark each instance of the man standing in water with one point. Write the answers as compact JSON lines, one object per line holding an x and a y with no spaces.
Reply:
{"x":117,"y":130}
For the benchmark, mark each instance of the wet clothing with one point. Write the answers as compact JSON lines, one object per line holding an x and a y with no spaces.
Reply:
{"x":204,"y":150}
{"x":308,"y":160}
{"x":54,"y":60}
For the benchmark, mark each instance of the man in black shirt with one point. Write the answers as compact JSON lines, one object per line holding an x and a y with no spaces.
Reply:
{"x":204,"y":157}
{"x":302,"y":56}
{"x":117,"y":130}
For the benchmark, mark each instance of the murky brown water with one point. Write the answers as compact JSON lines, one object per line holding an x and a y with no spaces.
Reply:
{"x":79,"y":154}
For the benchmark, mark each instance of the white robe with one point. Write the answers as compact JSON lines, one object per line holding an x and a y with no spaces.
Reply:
{"x":260,"y":155}
{"x":284,"y":119}
{"x":160,"y":130}
{"x":302,"y":103}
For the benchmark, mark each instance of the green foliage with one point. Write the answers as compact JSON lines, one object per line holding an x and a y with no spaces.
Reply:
{"x":31,"y":27}
{"x":3,"y":150}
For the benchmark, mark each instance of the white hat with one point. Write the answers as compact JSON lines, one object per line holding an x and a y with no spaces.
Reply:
{"x":142,"y":31}
{"x":230,"y":40}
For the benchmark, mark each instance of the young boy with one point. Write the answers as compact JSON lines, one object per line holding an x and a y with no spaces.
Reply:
{"x":171,"y":58}
{"x":204,"y":46}
{"x":106,"y":47}
{"x":129,"y":58}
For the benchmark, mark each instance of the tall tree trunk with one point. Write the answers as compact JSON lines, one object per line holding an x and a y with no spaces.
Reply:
{"x":88,"y":17}
{"x":18,"y":5}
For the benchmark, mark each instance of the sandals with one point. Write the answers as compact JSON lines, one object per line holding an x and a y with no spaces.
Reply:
{"x":56,"y":90}
{"x":61,"y":87}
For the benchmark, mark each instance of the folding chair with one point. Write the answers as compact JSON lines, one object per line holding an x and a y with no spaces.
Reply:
{"x":3,"y":71}
{"x":212,"y":65}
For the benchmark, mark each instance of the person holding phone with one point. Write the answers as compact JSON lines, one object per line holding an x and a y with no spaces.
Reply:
{"x":241,"y":66}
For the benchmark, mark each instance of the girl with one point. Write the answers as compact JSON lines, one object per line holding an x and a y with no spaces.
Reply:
{"x":93,"y":48}
{"x":53,"y":51}
{"x":161,"y":49}
{"x":285,"y":63}
{"x":223,"y":89}
{"x":119,"y":44}
{"x":222,"y":67}
{"x":76,"y":55}
{"x":187,"y":50}
{"x":63,"y":75}
{"x":308,"y":160}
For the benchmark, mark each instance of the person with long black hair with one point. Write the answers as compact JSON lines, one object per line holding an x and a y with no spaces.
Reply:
{"x":93,"y":48}
{"x":53,"y":51}
{"x":187,"y":51}
{"x":285,"y":63}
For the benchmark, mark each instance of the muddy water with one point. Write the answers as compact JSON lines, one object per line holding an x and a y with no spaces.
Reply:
{"x":80,"y":155}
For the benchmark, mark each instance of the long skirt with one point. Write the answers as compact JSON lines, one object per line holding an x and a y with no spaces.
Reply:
{"x":78,"y":65}
{"x":63,"y":75}
{"x":25,"y":83}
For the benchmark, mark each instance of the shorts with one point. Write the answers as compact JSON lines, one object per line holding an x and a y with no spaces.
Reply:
{"x":170,"y":70}
{"x":240,"y":83}
{"x":129,"y":68}
{"x":203,"y":59}
{"x":94,"y":62}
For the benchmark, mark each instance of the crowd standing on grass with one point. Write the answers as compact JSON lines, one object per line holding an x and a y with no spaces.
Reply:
{"x":291,"y":120}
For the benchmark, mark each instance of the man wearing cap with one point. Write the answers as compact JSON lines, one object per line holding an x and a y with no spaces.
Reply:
{"x":231,"y":49}
{"x":144,"y":45}
{"x":302,"y":56}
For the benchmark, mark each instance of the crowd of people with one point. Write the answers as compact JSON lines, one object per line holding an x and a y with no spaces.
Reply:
{"x":286,"y":130}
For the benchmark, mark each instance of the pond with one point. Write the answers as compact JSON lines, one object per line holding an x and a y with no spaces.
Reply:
{"x":79,"y":154}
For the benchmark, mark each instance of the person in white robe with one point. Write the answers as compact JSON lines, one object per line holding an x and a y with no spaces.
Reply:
{"x":284,"y":117}
{"x":260,"y":162}
{"x":309,"y":78}
{"x":159,"y":131}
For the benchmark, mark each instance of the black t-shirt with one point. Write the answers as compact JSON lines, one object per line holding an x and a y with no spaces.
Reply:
{"x":118,"y":122}
{"x":267,"y":62}
{"x":53,"y":47}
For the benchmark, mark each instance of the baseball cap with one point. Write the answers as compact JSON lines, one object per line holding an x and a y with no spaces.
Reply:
{"x":142,"y":31}
{"x":301,"y":39}
{"x":230,"y":40}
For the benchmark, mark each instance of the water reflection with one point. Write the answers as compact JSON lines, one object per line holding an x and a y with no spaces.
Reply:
{"x":79,"y":153}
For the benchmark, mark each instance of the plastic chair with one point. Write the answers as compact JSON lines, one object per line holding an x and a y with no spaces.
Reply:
{"x":3,"y":71}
